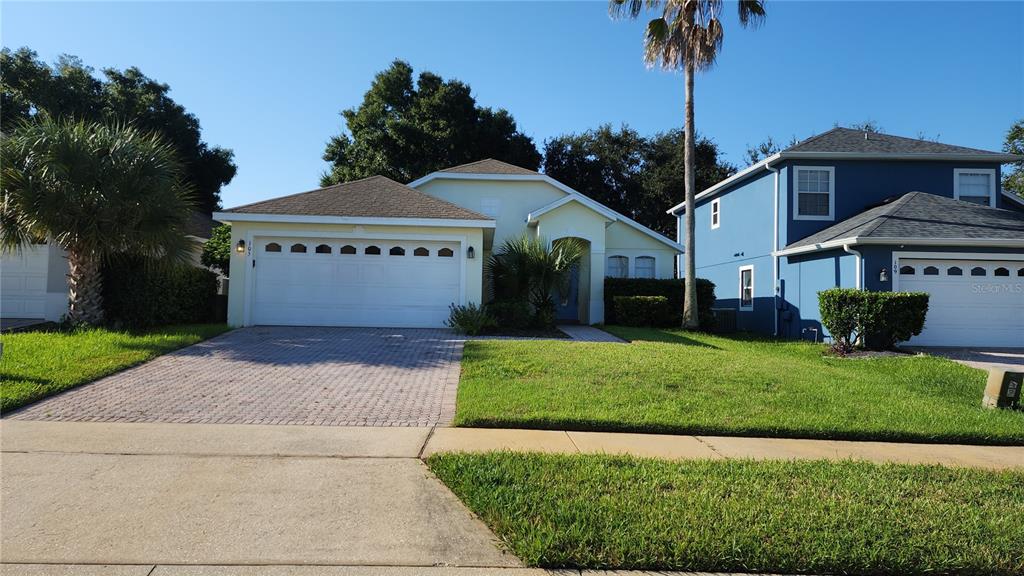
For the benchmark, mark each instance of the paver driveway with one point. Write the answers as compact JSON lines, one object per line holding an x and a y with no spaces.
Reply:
{"x":280,"y":375}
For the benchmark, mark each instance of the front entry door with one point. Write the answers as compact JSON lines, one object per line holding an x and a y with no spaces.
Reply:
{"x":568,"y":309}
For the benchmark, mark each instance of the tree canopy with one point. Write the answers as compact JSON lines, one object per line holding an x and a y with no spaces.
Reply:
{"x":632,"y":174}
{"x":1013,"y":178}
{"x":404,"y":130}
{"x":68,"y":89}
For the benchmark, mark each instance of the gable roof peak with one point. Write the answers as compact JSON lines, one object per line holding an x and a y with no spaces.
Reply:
{"x":489,"y":166}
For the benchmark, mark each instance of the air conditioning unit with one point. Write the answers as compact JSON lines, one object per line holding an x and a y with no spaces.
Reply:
{"x":725,"y":320}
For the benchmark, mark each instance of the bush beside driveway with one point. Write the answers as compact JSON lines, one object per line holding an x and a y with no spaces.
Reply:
{"x":675,"y":382}
{"x":39,"y":364}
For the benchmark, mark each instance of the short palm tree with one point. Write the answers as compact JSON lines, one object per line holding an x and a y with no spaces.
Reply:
{"x":96,"y":191}
{"x":529,"y":270}
{"x":687,"y":35}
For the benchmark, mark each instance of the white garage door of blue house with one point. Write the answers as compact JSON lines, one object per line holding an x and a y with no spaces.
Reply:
{"x":972,"y":302}
{"x":346,"y":282}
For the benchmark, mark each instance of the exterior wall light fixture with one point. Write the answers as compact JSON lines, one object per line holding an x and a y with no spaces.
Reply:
{"x":883,"y":276}
{"x":470,"y":253}
{"x":240,"y":247}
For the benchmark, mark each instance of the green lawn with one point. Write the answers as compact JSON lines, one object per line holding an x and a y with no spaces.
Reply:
{"x":38,"y":364}
{"x":784,"y":517}
{"x":677,"y":382}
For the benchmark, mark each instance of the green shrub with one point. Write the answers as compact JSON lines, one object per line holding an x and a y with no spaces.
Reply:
{"x":512,"y":314}
{"x":139,"y":293}
{"x":671,"y":289}
{"x":217,"y":250}
{"x":470,"y":319}
{"x":641,"y":310}
{"x":878,"y":320}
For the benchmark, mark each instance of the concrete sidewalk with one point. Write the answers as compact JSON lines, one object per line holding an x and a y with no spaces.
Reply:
{"x":163,"y":570}
{"x":720,"y":447}
{"x":181,"y":494}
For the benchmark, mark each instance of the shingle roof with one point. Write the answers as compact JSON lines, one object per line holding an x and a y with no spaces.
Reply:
{"x":923,"y":215}
{"x":489,"y":166}
{"x":373,"y":197}
{"x":851,"y":140}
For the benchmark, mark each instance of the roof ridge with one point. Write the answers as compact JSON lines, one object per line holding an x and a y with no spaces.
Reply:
{"x":320,"y":189}
{"x":814,"y":137}
{"x":894,"y":209}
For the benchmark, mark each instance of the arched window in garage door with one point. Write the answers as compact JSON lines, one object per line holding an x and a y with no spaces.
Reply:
{"x":372,"y":250}
{"x":272,"y":247}
{"x":298,"y":248}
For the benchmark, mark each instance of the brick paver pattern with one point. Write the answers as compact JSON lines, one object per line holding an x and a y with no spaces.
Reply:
{"x":280,"y":375}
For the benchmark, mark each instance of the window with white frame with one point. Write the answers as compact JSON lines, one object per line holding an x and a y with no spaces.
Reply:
{"x":618,"y":267}
{"x":975,"y":185}
{"x":716,"y":213}
{"x":643,"y":267}
{"x":814,"y":193}
{"x":746,"y":287}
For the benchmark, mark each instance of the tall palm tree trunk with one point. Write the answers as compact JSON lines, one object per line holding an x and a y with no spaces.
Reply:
{"x":85,"y":287}
{"x":690,"y":319}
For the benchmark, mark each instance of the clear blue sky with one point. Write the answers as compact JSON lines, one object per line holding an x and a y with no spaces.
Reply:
{"x":268,"y":79}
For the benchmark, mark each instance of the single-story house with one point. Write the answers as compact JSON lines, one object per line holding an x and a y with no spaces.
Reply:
{"x":375,"y":252}
{"x":871,"y":211}
{"x":34,"y":279}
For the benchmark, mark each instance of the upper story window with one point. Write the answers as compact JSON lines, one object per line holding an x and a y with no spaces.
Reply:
{"x":716,"y":213}
{"x":643,"y":267}
{"x":746,"y":287}
{"x":814,"y":193}
{"x":975,"y":185}
{"x":618,"y":267}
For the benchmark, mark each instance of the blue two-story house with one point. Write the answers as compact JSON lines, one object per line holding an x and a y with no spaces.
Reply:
{"x":871,"y":211}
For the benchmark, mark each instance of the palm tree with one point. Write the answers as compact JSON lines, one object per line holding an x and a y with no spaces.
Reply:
{"x":96,"y":191}
{"x":686,"y":35}
{"x":528,"y":270}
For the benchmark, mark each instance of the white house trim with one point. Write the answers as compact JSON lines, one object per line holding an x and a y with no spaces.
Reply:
{"x":831,"y":193}
{"x":739,"y":279}
{"x":578,"y":196}
{"x":856,"y":240}
{"x":897,"y":256}
{"x":993,"y":185}
{"x":355,"y":220}
{"x":1012,"y":196}
{"x":716,"y":213}
{"x":608,"y":213}
{"x":762,"y":165}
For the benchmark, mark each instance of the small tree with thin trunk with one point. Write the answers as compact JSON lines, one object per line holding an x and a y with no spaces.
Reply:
{"x":96,"y":191}
{"x":686,"y":35}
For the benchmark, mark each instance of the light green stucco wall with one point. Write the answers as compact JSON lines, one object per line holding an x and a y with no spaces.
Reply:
{"x":624,"y":240}
{"x":516,"y":198}
{"x":241,"y":264}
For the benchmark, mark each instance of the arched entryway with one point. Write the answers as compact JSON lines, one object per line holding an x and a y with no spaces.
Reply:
{"x":572,"y":300}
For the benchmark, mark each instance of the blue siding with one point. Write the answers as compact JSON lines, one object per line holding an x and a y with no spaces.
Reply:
{"x":743,"y":238}
{"x":801,"y":278}
{"x":862,"y":184}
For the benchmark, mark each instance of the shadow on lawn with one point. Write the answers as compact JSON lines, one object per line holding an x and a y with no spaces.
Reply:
{"x":654,"y":335}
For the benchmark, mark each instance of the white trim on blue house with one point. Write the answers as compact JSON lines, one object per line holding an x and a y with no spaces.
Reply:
{"x":992,"y":184}
{"x":831,"y":193}
{"x":903,"y":241}
{"x":716,"y":213}
{"x":739,"y":272}
{"x":763,"y":165}
{"x":578,"y":196}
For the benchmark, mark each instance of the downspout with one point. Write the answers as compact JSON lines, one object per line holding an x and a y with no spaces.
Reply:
{"x":858,"y":283}
{"x":775,"y":249}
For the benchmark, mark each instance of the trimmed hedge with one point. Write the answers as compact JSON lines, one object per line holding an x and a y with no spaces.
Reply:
{"x":641,"y":310}
{"x":879,"y":319}
{"x":671,"y":289}
{"x":138,"y":293}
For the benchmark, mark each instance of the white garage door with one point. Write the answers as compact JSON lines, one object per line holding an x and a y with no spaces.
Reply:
{"x":23,"y":282}
{"x":330,"y":282}
{"x":972,"y":303}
